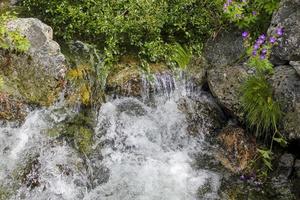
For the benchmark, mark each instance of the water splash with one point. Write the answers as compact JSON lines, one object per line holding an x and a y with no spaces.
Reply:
{"x":142,"y":151}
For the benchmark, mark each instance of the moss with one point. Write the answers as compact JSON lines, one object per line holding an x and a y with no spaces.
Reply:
{"x":78,"y":130}
{"x":4,"y":193}
{"x":25,"y":80}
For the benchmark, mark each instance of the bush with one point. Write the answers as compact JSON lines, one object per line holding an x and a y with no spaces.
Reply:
{"x":145,"y":28}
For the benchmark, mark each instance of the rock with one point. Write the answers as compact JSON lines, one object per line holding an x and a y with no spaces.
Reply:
{"x":287,"y":17}
{"x":237,"y":149}
{"x":128,"y":79}
{"x":36,"y":77}
{"x":12,"y":109}
{"x":196,"y":71}
{"x":297,"y":168}
{"x":225,"y":84}
{"x":43,"y":49}
{"x":286,"y":84}
{"x":285,"y":165}
{"x":296,"y":65}
{"x":203,"y":114}
{"x":226,"y":49}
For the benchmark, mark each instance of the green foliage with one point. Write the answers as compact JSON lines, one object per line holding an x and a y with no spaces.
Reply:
{"x":262,"y":111}
{"x":11,"y":40}
{"x":142,"y":27}
{"x":253,"y":15}
{"x":261,"y":65}
{"x":182,"y":56}
{"x":1,"y":82}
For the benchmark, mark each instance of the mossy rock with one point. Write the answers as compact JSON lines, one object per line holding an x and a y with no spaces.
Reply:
{"x":24,"y":80}
{"x":126,"y":77}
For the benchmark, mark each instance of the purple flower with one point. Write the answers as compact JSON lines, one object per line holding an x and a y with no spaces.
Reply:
{"x":272,"y":40}
{"x":254,"y":52}
{"x":262,"y":57}
{"x":262,"y":37}
{"x":279,"y":31}
{"x":264,"y":51}
{"x":254,"y":13}
{"x":256,"y":46}
{"x":245,"y":34}
{"x":260,"y":41}
{"x":242,"y":177}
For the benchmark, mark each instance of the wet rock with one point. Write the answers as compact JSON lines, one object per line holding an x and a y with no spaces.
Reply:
{"x":131,"y":107}
{"x":196,"y":71}
{"x":286,"y":84}
{"x":128,"y":79}
{"x":237,"y":149}
{"x":225,"y":49}
{"x":37,"y":77}
{"x":225,"y":84}
{"x":203,"y":114}
{"x":12,"y":109}
{"x":237,"y":190}
{"x":287,"y":17}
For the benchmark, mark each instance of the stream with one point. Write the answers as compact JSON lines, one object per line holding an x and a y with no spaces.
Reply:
{"x":142,"y":150}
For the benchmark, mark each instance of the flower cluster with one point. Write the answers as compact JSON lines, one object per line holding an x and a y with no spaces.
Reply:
{"x":263,"y":44}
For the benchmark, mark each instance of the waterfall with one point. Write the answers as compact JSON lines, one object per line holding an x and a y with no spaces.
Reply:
{"x":142,"y":151}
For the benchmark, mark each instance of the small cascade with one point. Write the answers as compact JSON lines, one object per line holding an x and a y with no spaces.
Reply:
{"x":142,"y":150}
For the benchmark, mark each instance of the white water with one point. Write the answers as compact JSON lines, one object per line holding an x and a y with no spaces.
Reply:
{"x":146,"y":149}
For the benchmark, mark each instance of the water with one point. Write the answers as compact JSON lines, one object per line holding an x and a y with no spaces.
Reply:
{"x":142,"y":151}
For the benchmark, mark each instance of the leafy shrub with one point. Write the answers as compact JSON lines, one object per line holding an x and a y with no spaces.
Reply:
{"x":254,"y":15}
{"x":145,"y":28}
{"x":11,"y":40}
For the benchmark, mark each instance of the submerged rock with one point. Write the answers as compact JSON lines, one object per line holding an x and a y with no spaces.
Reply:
{"x":225,"y":84}
{"x":287,"y":17}
{"x":37,"y":76}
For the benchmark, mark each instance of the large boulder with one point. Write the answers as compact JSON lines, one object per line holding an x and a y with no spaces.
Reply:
{"x":225,"y":84}
{"x":286,"y":84}
{"x":287,"y":17}
{"x":37,"y":76}
{"x":225,"y":49}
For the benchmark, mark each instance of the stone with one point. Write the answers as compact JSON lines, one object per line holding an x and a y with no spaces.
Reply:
{"x":225,"y":49}
{"x":297,"y":168}
{"x":196,"y":71}
{"x":296,"y":65}
{"x":237,"y":149}
{"x":225,"y":83}
{"x":287,"y":17}
{"x":286,"y":84}
{"x":12,"y":109}
{"x":37,"y":76}
{"x":203,"y":114}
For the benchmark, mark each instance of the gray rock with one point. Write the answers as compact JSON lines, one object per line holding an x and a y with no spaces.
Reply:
{"x":37,"y":76}
{"x":286,"y":161}
{"x":296,"y":65}
{"x":287,"y":17}
{"x":286,"y":84}
{"x":43,"y":49}
{"x":225,"y":49}
{"x":225,"y":84}
{"x":202,"y":113}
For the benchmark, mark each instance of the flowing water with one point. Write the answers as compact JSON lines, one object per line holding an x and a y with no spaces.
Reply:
{"x":142,"y":151}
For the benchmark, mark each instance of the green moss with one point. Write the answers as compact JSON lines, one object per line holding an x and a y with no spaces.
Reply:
{"x":25,"y":80}
{"x":78,"y":130}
